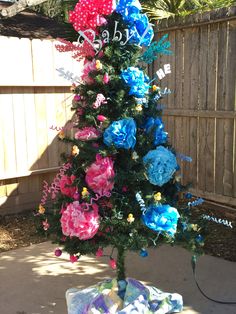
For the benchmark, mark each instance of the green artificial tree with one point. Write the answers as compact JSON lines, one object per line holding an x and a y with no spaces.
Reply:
{"x":120,"y":186}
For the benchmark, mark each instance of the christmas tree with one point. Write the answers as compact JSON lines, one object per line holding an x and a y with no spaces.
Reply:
{"x":120,"y":186}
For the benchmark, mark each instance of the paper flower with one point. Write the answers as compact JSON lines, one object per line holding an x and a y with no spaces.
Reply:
{"x":100,"y":175}
{"x":87,"y":133}
{"x":121,"y":133}
{"x":131,"y":13}
{"x":76,"y":222}
{"x":66,"y":185}
{"x":128,"y":9}
{"x":161,"y":164}
{"x":88,"y":14}
{"x":142,"y":31}
{"x":161,"y":218}
{"x":137,"y":81}
{"x":160,"y":136}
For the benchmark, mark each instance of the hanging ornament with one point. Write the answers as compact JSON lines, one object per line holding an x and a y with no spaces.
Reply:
{"x":61,"y":135}
{"x":157,"y":196}
{"x":84,"y":192}
{"x":130,"y":218}
{"x":139,"y":108}
{"x":99,"y":252}
{"x":112,"y":263}
{"x":143,"y":253}
{"x":73,"y":258}
{"x":98,"y":65}
{"x":106,"y":78}
{"x":41,"y":209}
{"x":58,"y":252}
{"x":75,"y":150}
{"x":77,"y":98}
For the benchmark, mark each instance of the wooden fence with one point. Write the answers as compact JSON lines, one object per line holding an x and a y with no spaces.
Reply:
{"x":200,"y":114}
{"x":33,"y":97}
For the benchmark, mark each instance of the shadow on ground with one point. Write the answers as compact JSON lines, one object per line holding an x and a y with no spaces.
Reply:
{"x":34,"y":281}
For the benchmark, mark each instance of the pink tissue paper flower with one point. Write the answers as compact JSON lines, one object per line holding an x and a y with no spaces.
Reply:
{"x":100,"y":175}
{"x":77,"y":222}
{"x":88,"y":14}
{"x":66,"y":185}
{"x":87,"y":133}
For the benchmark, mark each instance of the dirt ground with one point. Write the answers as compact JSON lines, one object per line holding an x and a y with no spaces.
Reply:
{"x":19,"y":230}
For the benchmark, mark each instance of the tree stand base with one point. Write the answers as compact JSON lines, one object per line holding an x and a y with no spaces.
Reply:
{"x":105,"y":297}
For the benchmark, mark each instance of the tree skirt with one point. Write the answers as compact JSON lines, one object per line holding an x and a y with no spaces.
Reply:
{"x":138,"y":298}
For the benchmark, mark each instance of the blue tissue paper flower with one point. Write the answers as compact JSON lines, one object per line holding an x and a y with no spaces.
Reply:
{"x":121,"y":133}
{"x":161,"y":218}
{"x":137,"y":81}
{"x":160,"y":136}
{"x":128,"y":9}
{"x":161,"y":164}
{"x":139,"y":28}
{"x":138,"y":23}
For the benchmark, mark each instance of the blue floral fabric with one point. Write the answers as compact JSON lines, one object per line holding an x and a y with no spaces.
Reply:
{"x":161,"y":218}
{"x":161,"y":164}
{"x":121,"y":133}
{"x":138,"y":299}
{"x":140,"y":29}
{"x":160,"y":136}
{"x":137,"y":81}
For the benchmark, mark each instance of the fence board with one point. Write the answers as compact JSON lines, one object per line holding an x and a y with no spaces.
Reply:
{"x":178,"y":90}
{"x":203,"y":61}
{"x":193,"y":150}
{"x":31,"y":131}
{"x":228,"y":158}
{"x":221,"y":74}
{"x":219,"y":174}
{"x":230,"y":80}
